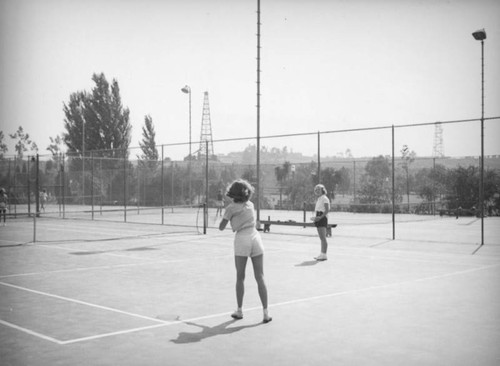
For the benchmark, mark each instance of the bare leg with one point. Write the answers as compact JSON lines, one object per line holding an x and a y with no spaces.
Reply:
{"x":322,"y":237}
{"x":258,"y":269}
{"x":241,"y":263}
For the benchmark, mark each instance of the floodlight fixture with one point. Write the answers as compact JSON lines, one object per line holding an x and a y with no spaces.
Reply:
{"x":479,"y":35}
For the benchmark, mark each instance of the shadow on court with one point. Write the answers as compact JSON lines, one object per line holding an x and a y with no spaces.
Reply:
{"x":207,"y":332}
{"x":307,"y":263}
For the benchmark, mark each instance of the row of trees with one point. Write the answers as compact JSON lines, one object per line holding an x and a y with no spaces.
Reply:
{"x":435,"y":188}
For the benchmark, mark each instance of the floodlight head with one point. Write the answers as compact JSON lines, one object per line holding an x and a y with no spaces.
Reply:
{"x":186,"y":89}
{"x":479,"y":35}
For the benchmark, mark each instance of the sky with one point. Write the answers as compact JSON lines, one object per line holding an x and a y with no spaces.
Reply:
{"x":326,"y":65}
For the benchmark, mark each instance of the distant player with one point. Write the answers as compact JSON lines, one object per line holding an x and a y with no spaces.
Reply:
{"x":219,"y":203}
{"x":247,"y":243}
{"x":3,"y":205}
{"x":43,"y":199}
{"x":321,"y":219}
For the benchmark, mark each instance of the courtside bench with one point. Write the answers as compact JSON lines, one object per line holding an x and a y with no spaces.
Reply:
{"x":267,"y":225}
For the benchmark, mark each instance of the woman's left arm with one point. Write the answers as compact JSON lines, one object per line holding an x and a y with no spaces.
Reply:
{"x":327,"y":208}
{"x":223,"y":224}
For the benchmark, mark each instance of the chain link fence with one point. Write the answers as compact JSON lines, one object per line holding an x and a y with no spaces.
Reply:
{"x":390,"y":180}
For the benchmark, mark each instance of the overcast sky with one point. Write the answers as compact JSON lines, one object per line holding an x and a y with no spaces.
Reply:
{"x":326,"y":65}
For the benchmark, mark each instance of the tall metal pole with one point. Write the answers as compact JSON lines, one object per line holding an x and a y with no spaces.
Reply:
{"x":187,"y":90}
{"x":481,"y":190}
{"x":190,"y":152}
{"x":480,"y":35}
{"x":258,"y":116}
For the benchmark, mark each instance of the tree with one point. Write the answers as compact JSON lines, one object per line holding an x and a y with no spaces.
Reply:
{"x":282,"y":173}
{"x":148,"y":143}
{"x":343,"y":179}
{"x":407,"y":158}
{"x":97,"y":120}
{"x":375,"y":186}
{"x":24,"y":143}
{"x":55,"y":145}
{"x":3,"y":145}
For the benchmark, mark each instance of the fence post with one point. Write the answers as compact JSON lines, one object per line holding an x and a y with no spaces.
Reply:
{"x":319,"y":157}
{"x":205,"y":211}
{"x":28,"y":184}
{"x":162,"y":187}
{"x":92,"y":182}
{"x":393,"y":191}
{"x":63,"y":186}
{"x":124,"y":186}
{"x":354,"y":181}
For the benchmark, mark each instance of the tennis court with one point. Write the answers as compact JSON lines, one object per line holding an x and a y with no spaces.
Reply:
{"x":121,"y":293}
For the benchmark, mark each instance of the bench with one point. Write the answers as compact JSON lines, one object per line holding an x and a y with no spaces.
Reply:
{"x":268,"y":223}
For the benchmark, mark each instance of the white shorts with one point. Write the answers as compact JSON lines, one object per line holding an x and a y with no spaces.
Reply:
{"x":248,"y":243}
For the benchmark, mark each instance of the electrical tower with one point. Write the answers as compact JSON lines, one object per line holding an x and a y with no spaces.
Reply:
{"x":206,"y":132}
{"x":438,"y":151}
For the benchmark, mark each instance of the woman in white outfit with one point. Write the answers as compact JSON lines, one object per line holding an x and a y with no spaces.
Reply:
{"x":247,"y":243}
{"x":321,"y":219}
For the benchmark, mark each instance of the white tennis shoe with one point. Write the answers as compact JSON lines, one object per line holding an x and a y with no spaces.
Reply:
{"x":321,"y":257}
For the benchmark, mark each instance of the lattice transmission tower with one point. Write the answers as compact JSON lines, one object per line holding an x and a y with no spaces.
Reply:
{"x":206,"y":132}
{"x":438,"y":150}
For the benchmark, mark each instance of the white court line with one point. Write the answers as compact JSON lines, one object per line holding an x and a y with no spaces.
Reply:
{"x":312,"y":298}
{"x":84,"y":303}
{"x":33,"y":333}
{"x":284,"y":303}
{"x":83,"y":339}
{"x":113,"y":266}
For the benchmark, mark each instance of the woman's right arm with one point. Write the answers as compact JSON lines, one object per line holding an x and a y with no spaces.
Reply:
{"x":223,"y":224}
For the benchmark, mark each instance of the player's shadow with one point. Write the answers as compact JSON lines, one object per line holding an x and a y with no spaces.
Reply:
{"x":307,"y":263}
{"x":207,"y":332}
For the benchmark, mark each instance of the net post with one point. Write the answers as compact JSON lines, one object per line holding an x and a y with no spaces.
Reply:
{"x":205,"y":216}
{"x":37,"y":185}
{"x":304,"y":211}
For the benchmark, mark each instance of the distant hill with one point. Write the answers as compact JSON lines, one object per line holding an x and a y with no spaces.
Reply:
{"x":490,"y":161}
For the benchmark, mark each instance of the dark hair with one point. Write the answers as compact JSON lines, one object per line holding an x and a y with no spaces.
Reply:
{"x":240,"y":191}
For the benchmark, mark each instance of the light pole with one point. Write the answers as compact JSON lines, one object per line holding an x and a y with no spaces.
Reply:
{"x":83,"y":152}
{"x":187,"y":90}
{"x":480,"y":35}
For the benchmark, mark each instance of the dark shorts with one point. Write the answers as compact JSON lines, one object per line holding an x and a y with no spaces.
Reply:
{"x":323,"y":222}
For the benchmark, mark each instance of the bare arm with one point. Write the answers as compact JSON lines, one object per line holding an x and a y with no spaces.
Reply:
{"x":223,"y":224}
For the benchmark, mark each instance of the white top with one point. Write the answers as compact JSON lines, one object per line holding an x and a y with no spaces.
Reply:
{"x":320,"y":203}
{"x":241,"y":215}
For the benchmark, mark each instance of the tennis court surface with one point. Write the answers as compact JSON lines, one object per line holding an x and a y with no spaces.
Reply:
{"x":111,"y":293}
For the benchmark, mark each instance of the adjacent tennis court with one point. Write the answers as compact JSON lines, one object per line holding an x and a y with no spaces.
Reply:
{"x":121,"y":293}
